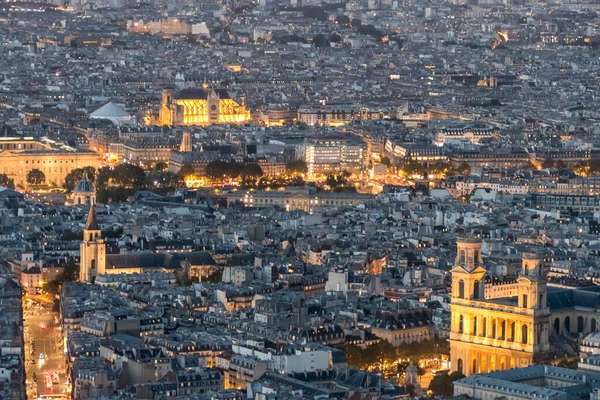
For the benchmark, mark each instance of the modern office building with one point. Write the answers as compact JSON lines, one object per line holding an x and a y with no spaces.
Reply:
{"x":326,"y":155}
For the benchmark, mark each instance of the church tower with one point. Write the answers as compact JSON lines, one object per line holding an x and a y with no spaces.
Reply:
{"x":186,"y":142}
{"x":92,"y":251}
{"x":533,"y":295}
{"x":498,"y":324}
{"x":468,"y":273}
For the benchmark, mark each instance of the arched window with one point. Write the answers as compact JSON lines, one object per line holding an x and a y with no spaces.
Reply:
{"x":474,"y":325}
{"x":476,"y":290}
{"x":93,"y":264}
{"x":462,"y":257}
{"x":593,"y":324}
{"x":526,"y":270}
{"x":461,"y":289}
{"x":484,"y":327}
{"x":512,"y":332}
{"x":580,"y":324}
{"x":503,"y":330}
{"x":476,"y":257}
{"x":474,"y":367}
{"x":461,"y":324}
{"x":493,"y":332}
{"x":459,"y":365}
{"x":568,"y":324}
{"x":557,"y":325}
{"x":524,"y":334}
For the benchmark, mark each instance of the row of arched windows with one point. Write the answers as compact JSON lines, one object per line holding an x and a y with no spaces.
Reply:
{"x":510,"y":338}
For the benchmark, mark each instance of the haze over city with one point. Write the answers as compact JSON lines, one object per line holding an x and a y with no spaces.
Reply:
{"x":299,"y":199}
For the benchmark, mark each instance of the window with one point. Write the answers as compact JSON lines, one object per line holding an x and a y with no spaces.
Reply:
{"x":524,"y":334}
{"x":461,"y":289}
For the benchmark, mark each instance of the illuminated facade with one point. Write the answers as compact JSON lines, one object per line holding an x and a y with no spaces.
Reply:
{"x":199,"y":107}
{"x":19,"y":155}
{"x":326,"y":155}
{"x":490,"y":333}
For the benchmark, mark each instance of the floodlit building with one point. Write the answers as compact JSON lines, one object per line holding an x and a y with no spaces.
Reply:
{"x":199,"y":107}
{"x":497,"y":333}
{"x":326,"y":155}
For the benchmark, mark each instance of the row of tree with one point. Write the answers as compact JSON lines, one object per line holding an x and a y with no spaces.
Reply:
{"x":384,"y":352}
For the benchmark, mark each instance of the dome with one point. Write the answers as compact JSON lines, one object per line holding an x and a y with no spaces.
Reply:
{"x":84,"y":185}
{"x":411,"y":369}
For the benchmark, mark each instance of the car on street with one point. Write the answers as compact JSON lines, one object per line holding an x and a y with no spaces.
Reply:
{"x":42,"y":356}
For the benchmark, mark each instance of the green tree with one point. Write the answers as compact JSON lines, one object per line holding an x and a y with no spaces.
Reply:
{"x":315,"y":12}
{"x":386,"y":161}
{"x":77,"y":175}
{"x":70,"y":274}
{"x":464,"y":169}
{"x":215,"y":277}
{"x":252,"y":170}
{"x":186,"y":170}
{"x":6,"y":181}
{"x":594,"y":165}
{"x":354,"y":356}
{"x":335,"y":38}
{"x":441,"y":385}
{"x":560,"y":164}
{"x":320,"y":41}
{"x":163,"y":179}
{"x":114,"y":194}
{"x":343,"y":20}
{"x":356,"y":23}
{"x":334,"y":181}
{"x":36,"y":177}
{"x":160,"y":166}
{"x":296,"y":167}
{"x":456,"y":375}
{"x":547,"y":163}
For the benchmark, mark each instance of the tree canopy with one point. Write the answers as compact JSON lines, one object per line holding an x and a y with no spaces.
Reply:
{"x":337,"y":180}
{"x":125,"y":175}
{"x":343,"y":20}
{"x":77,"y":175}
{"x":232,"y":170}
{"x":296,"y":167}
{"x":379,"y":352}
{"x":321,"y":41}
{"x":36,"y":177}
{"x":6,"y":181}
{"x":187,"y":170}
{"x":315,"y":12}
{"x":442,"y":384}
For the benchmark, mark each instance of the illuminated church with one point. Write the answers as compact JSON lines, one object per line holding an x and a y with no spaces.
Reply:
{"x":499,"y":324}
{"x":193,"y":106}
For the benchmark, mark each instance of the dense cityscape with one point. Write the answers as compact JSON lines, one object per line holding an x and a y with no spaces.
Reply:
{"x":299,"y":199}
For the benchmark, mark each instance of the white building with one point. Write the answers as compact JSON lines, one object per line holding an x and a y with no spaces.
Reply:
{"x":591,"y":344}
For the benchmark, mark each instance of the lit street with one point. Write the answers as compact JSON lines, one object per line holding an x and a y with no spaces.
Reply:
{"x":42,"y":336}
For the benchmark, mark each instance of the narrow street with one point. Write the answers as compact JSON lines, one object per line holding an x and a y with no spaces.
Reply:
{"x":45,"y":374}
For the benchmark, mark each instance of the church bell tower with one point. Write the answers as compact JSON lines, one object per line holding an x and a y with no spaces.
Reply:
{"x":92,"y":251}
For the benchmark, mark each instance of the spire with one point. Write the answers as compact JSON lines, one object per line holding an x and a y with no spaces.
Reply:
{"x":92,"y":222}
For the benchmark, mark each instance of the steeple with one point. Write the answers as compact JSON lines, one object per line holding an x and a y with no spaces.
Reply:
{"x":92,"y":222}
{"x":92,"y":250}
